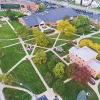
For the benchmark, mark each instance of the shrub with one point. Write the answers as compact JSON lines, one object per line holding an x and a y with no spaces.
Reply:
{"x":48,"y":31}
{"x":80,"y":31}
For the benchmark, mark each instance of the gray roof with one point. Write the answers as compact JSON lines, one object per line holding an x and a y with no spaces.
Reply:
{"x":95,"y":65}
{"x":85,"y":53}
{"x":96,"y":16}
{"x":49,"y":16}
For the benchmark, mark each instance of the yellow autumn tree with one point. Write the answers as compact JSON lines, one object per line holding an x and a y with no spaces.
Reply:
{"x":66,"y":28}
{"x":85,"y":42}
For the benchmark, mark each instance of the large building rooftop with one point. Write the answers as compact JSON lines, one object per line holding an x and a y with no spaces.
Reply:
{"x":49,"y":16}
{"x":85,"y":53}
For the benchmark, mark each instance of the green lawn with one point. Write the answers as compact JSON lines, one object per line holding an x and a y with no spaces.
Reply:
{"x":12,"y":54}
{"x":26,"y":74}
{"x":53,"y":36}
{"x":4,"y":43}
{"x":16,"y":23}
{"x":13,"y":94}
{"x":52,"y":43}
{"x":32,"y":42}
{"x":59,"y":42}
{"x":3,"y":13}
{"x":6,"y":32}
{"x":72,"y":89}
{"x":99,"y":87}
{"x":97,"y":35}
{"x":62,"y":36}
{"x":65,"y":52}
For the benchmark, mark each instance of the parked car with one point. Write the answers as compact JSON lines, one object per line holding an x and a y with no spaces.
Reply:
{"x":92,"y":81}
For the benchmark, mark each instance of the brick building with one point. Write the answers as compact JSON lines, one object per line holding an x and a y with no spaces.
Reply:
{"x":85,"y":57}
{"x":23,"y":5}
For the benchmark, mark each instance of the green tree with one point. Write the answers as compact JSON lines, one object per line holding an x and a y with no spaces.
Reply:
{"x":66,"y":17}
{"x":66,"y":28}
{"x":24,"y":32}
{"x":68,"y":71}
{"x":52,"y":63}
{"x":58,"y":86}
{"x":81,"y":21}
{"x":36,"y":32}
{"x":40,"y":57}
{"x":87,"y":29}
{"x":48,"y":78}
{"x":10,"y":14}
{"x":80,"y":31}
{"x":59,"y":70}
{"x":43,"y":40}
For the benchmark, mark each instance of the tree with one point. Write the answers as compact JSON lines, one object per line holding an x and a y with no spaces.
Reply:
{"x":66,"y":17}
{"x":10,"y":14}
{"x":82,"y":22}
{"x":58,"y":86}
{"x":48,"y":78}
{"x":52,"y":63}
{"x":6,"y":79}
{"x":80,"y":31}
{"x":69,"y":69}
{"x":82,"y":75}
{"x":85,"y":42}
{"x":87,"y":29}
{"x":43,"y":40}
{"x":36,"y":32}
{"x":24,"y":32}
{"x":41,"y":6}
{"x":40,"y":57}
{"x":66,"y":28}
{"x":59,"y":70}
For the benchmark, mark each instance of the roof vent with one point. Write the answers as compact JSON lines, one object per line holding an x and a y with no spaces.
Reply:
{"x":42,"y":14}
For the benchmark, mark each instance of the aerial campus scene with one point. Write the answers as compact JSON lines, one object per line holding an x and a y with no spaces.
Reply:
{"x":49,"y":49}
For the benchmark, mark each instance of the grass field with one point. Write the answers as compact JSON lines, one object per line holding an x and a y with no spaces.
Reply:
{"x":99,"y":87}
{"x":62,"y":36}
{"x":3,"y":13}
{"x":59,"y":42}
{"x":6,"y":32}
{"x":12,"y":54}
{"x":13,"y":94}
{"x":72,"y":89}
{"x":26,"y":74}
{"x":53,"y":36}
{"x":16,"y":23}
{"x":97,"y":35}
{"x":4,"y":43}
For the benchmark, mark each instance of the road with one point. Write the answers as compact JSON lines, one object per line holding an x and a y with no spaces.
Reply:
{"x":66,"y":4}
